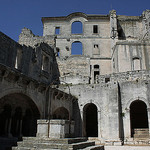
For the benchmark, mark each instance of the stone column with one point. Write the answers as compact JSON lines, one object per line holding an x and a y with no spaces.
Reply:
{"x":127,"y":124}
{"x":148,"y":115}
{"x":99,"y":124}
{"x":83,"y":123}
{"x":9,"y":127}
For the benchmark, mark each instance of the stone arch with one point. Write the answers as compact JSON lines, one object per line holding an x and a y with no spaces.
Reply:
{"x":61,"y":113}
{"x":138,"y":118}
{"x":19,"y":103}
{"x":77,"y":19}
{"x":136,"y":98}
{"x":9,"y":91}
{"x":90,"y":119}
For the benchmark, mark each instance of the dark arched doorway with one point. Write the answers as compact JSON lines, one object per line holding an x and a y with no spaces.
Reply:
{"x":138,"y":116}
{"x":90,"y":120}
{"x":18,"y":116}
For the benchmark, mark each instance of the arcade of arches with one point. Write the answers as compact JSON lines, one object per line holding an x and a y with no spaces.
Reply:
{"x":18,"y":116}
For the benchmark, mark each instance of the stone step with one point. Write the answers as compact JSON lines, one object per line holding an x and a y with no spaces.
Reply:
{"x":81,"y":145}
{"x":96,"y":147}
{"x":42,"y":145}
{"x":35,"y":144}
{"x":50,"y":140}
{"x":141,"y":136}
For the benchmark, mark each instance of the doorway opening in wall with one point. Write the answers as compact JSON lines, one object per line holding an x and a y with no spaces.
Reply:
{"x":90,"y":120}
{"x":139,"y":119}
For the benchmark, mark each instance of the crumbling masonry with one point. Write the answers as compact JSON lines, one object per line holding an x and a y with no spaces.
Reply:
{"x":93,"y":70}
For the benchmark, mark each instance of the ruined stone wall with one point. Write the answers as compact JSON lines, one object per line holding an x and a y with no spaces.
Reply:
{"x":26,"y":59}
{"x":130,"y":56}
{"x":29,"y":39}
{"x":130,"y":27}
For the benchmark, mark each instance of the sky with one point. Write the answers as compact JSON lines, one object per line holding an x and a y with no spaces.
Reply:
{"x":17,"y":14}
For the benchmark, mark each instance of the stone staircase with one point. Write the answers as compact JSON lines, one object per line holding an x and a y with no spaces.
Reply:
{"x":141,"y":133}
{"x":34,"y":143}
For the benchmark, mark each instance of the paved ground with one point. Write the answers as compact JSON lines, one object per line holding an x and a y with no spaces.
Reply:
{"x":127,"y":148}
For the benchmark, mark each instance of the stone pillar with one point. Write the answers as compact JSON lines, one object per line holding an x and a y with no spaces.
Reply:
{"x":148,"y":115}
{"x":99,"y":124}
{"x":83,"y":123}
{"x":127,"y":124}
{"x":42,"y":128}
{"x":9,"y":127}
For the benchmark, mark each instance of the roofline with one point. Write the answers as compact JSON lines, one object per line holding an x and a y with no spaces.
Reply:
{"x":76,"y":14}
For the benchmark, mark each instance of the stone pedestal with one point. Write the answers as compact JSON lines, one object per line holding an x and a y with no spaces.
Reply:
{"x":55,"y":128}
{"x":61,"y":128}
{"x":42,"y":128}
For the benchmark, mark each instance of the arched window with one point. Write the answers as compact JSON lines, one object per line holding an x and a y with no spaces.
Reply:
{"x":136,"y":63}
{"x":76,"y":48}
{"x":76,"y":27}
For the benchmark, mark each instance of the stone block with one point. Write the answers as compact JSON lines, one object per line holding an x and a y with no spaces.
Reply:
{"x":42,"y":128}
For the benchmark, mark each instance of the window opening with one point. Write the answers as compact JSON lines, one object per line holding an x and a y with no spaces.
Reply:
{"x":96,"y":50}
{"x":96,"y":74}
{"x":45,"y":63}
{"x":18,"y":59}
{"x":77,"y":27}
{"x":136,"y":64}
{"x":57,"y":30}
{"x":107,"y":80}
{"x":57,"y":51}
{"x":76,"y":48}
{"x":96,"y":66}
{"x":95,"y":29}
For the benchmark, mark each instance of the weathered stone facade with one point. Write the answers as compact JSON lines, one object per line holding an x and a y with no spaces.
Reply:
{"x":108,"y":74}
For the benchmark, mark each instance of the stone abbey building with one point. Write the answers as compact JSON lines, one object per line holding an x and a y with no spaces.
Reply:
{"x":92,"y":70}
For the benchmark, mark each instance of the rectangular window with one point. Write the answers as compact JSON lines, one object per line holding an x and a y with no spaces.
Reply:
{"x":95,"y":29}
{"x":57,"y":30}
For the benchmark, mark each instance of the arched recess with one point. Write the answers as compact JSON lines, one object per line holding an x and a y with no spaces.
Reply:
{"x":77,"y":27}
{"x":90,"y":117}
{"x":76,"y":48}
{"x":138,"y":116}
{"x":16,"y":122}
{"x":61,"y":113}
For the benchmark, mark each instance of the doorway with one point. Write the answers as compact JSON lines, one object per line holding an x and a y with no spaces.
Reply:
{"x":90,"y":120}
{"x":138,"y":116}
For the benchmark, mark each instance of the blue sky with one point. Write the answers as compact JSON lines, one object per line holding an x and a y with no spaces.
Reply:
{"x":17,"y":14}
